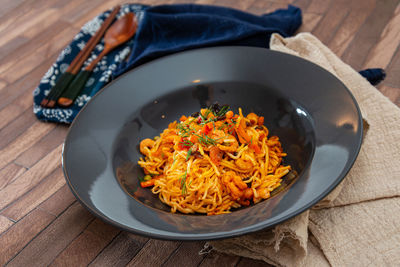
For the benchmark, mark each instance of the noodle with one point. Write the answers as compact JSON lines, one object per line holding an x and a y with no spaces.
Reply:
{"x":213,"y":161}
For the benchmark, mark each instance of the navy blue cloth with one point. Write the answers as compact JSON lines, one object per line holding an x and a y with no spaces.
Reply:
{"x":374,"y":76}
{"x":168,"y":29}
{"x":164,"y":30}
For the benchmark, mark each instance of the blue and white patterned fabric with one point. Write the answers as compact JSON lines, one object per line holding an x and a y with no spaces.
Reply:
{"x":101,"y":74}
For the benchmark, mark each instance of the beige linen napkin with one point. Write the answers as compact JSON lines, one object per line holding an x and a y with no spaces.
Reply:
{"x":358,"y":223}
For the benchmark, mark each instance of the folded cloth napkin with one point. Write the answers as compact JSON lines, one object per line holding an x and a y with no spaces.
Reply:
{"x":164,"y":30}
{"x":357,"y":224}
{"x":167,"y":29}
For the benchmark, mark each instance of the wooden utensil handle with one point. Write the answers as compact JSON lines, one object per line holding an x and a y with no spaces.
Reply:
{"x":93,"y":64}
{"x":67,"y":99}
{"x":83,"y":54}
{"x":62,"y":83}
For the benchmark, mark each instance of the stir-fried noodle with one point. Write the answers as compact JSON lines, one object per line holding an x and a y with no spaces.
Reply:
{"x":213,"y":161}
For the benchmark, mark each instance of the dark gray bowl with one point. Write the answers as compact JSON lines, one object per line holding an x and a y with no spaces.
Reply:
{"x":313,"y":113}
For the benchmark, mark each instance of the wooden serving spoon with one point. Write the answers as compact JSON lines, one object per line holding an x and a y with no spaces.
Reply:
{"x":119,"y":32}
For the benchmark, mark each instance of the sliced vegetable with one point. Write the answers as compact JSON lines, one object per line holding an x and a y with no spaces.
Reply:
{"x":147,"y":183}
{"x":229,"y":114}
{"x":260,"y":120}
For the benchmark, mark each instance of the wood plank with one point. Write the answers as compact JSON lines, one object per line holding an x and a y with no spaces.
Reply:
{"x":9,"y":47}
{"x":93,"y":12}
{"x":351,"y":24}
{"x":19,"y":26}
{"x":80,"y":10}
{"x":369,"y":34}
{"x":310,"y":21}
{"x":382,"y":52}
{"x":5,"y":223}
{"x":59,"y":201}
{"x":390,"y":92}
{"x":331,"y":21}
{"x":20,"y":14}
{"x":23,"y":142}
{"x":283,"y":1}
{"x":259,"y":7}
{"x":55,"y":238}
{"x":393,"y":70}
{"x":17,"y":126}
{"x":27,"y":17}
{"x":9,"y":5}
{"x":30,"y":178}
{"x":38,"y":36}
{"x":27,"y":83}
{"x":12,"y":241}
{"x":219,"y":259}
{"x":204,"y":2}
{"x":21,"y":68}
{"x":242,"y":5}
{"x":3,"y":84}
{"x":120,"y":251}
{"x":9,"y":113}
{"x":36,"y":196}
{"x":87,"y":245}
{"x":179,"y":257}
{"x":10,"y":173}
{"x":15,"y":17}
{"x":53,"y":139}
{"x":274,"y":6}
{"x":18,"y":106}
{"x":36,"y":41}
{"x":161,"y":248}
{"x":319,"y":6}
{"x":73,"y":10}
{"x":302,"y":4}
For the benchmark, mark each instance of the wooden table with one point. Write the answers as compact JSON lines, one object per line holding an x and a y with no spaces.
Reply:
{"x":41,"y":223}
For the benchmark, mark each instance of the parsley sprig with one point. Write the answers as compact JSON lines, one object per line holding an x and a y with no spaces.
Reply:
{"x":188,"y":154}
{"x":222,"y":111}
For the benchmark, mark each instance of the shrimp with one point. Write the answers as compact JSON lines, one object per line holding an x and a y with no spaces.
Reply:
{"x":244,"y":164}
{"x":235,"y":184}
{"x":253,"y":118}
{"x":216,"y":155}
{"x":226,"y":142}
{"x":172,"y":139}
{"x":145,"y":146}
{"x":229,"y":144}
{"x":248,"y":193}
{"x":262,"y":193}
{"x":235,"y":192}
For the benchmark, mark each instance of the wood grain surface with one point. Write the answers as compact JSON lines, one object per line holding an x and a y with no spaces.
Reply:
{"x":41,"y":223}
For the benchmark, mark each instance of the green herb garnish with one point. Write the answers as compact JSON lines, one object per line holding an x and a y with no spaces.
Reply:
{"x":223,"y":111}
{"x":207,"y":113}
{"x":204,"y":117}
{"x":205,"y":139}
{"x":183,"y":128}
{"x":188,"y":154}
{"x":186,"y":142}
